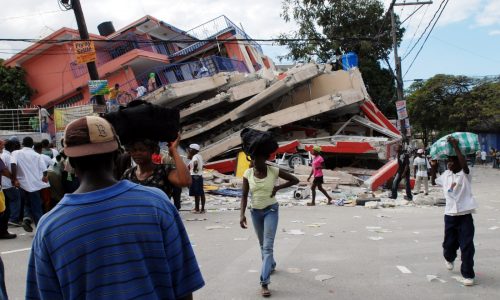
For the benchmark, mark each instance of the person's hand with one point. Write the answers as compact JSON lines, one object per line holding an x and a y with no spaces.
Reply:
{"x":243,"y":222}
{"x":45,"y":179}
{"x":453,"y":141}
{"x":273,"y":193}
{"x":172,"y":146}
{"x":308,"y":178}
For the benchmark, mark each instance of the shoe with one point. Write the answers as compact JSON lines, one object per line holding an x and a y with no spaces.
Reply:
{"x":468,"y":281}
{"x":265,"y":292}
{"x":27,"y":226}
{"x":7,"y":236}
{"x":449,"y":265}
{"x":426,"y":194}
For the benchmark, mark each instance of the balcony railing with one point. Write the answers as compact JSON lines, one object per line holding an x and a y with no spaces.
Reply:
{"x":210,"y":30}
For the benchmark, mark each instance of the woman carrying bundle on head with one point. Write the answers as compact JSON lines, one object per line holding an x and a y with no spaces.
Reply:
{"x":260,"y":180}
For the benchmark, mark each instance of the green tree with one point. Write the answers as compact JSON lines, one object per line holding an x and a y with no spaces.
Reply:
{"x":361,"y":26}
{"x":13,"y":86}
{"x":447,"y":103}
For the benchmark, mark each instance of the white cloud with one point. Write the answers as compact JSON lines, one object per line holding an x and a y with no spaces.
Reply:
{"x":494,"y":32}
{"x":490,"y":14}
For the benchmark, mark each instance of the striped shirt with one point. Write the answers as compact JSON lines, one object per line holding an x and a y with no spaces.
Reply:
{"x":122,"y":242}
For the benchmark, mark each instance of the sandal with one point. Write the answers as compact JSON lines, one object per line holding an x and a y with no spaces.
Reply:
{"x":265,"y":292}
{"x":195,"y":211}
{"x":311,"y":204}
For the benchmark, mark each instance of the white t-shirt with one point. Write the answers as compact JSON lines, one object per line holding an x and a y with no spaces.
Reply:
{"x":30,"y":168}
{"x":7,"y":160}
{"x":483,"y":155}
{"x":422,"y":166}
{"x":197,"y":157}
{"x":458,"y":193}
{"x":141,"y":91}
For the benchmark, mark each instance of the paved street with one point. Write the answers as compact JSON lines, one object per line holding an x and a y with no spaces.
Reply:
{"x":371,"y":253}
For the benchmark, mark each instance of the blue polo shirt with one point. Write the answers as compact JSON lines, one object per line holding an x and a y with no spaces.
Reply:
{"x":122,"y":242}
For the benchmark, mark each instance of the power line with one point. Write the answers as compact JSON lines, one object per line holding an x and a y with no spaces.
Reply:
{"x":418,"y":27}
{"x":426,"y":38}
{"x":411,"y":15}
{"x":425,"y":30}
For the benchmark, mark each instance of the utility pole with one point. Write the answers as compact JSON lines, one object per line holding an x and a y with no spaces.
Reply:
{"x":84,"y":35}
{"x":397,"y":59}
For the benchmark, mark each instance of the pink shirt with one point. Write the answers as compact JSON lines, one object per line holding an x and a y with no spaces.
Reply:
{"x":317,"y":165}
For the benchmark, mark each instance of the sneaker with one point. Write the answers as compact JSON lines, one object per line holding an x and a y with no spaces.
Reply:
{"x":14,"y":224}
{"x":449,"y":265}
{"x":7,"y":236}
{"x":468,"y":281}
{"x":27,"y":226}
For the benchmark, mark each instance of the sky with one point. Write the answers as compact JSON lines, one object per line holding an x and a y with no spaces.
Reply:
{"x":465,"y":41}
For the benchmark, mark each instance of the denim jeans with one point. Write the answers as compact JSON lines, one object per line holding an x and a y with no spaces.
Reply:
{"x":265,"y":223}
{"x":13,"y":201}
{"x":395,"y":185}
{"x":33,"y":206}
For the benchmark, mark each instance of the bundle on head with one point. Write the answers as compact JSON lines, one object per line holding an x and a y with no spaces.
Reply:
{"x":258,"y":143}
{"x":142,"y":120}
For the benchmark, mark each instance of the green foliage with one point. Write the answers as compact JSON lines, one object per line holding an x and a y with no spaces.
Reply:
{"x":13,"y":86}
{"x":351,"y":25}
{"x":447,"y":103}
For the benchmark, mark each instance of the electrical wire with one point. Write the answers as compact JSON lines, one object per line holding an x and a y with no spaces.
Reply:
{"x":426,"y":38}
{"x":425,"y":30}
{"x":418,"y":27}
{"x":411,"y":15}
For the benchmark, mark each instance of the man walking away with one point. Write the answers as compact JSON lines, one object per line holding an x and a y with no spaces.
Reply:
{"x":483,"y":157}
{"x":458,"y":222}
{"x":109,"y":239}
{"x":422,"y":167}
{"x":31,"y":173}
{"x":4,"y":190}
{"x":403,"y":173}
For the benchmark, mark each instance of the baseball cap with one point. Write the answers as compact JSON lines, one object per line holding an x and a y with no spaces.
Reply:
{"x":420,"y":151}
{"x":195,"y":147}
{"x":89,"y":135}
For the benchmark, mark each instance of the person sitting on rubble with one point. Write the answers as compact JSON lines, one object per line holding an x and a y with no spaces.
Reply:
{"x":458,"y":222}
{"x":161,"y":176}
{"x":259,"y":180}
{"x":317,"y":170}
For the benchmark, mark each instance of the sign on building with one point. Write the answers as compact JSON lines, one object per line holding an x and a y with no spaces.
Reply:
{"x":84,"y":51}
{"x":98,"y":87}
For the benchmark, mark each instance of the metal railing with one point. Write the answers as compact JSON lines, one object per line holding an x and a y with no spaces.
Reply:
{"x":26,"y":119}
{"x":210,"y":30}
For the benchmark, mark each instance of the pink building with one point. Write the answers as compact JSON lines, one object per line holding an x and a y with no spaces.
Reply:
{"x":128,"y":55}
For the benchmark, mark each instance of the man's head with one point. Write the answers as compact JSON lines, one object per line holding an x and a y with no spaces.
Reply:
{"x":90,"y":143}
{"x":420,"y":152}
{"x":10,"y":145}
{"x":316,"y":150}
{"x":28,"y":142}
{"x":194,"y":148}
{"x":38,"y":148}
{"x":454,"y":164}
{"x":117,"y":86}
{"x":45,"y":143}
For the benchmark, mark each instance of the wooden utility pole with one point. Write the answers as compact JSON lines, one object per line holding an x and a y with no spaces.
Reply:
{"x":84,"y":35}
{"x":397,"y":59}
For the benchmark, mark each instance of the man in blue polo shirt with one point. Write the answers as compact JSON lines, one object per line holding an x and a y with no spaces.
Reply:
{"x":109,"y":239}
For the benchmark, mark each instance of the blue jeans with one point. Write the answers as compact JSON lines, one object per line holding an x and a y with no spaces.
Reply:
{"x":397,"y":181}
{"x":265,"y":223}
{"x":13,"y":198}
{"x":33,"y":206}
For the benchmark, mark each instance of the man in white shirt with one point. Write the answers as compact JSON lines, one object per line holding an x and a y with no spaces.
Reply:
{"x":141,"y":91}
{"x":31,"y":173}
{"x":5,"y":187}
{"x":422,"y":167}
{"x":483,"y":157}
{"x":458,"y":221}
{"x":196,"y":170}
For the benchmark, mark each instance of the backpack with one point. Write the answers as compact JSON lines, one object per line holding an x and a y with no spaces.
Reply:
{"x":142,"y":120}
{"x":256,"y":142}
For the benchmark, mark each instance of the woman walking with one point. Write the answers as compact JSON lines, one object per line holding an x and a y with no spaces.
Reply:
{"x":260,"y":180}
{"x":317,"y":171}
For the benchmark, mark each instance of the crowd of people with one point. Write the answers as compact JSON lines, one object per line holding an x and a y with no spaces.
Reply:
{"x":97,"y":198}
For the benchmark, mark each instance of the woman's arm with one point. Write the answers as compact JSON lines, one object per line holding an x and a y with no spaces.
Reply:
{"x":291,"y":180}
{"x":243,"y":205}
{"x":180,"y":176}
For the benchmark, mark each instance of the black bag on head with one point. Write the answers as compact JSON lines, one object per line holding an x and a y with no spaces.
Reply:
{"x":142,"y":120}
{"x":256,"y":142}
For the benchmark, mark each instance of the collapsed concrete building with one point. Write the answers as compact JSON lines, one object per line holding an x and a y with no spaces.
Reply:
{"x":307,"y":105}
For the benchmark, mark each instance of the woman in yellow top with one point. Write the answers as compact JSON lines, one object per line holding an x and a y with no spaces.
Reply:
{"x":260,"y":180}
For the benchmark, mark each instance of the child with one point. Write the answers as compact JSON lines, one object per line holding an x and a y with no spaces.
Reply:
{"x":458,"y":222}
